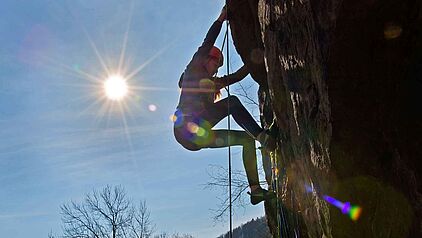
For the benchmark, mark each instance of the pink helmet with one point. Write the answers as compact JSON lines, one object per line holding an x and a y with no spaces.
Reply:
{"x":217,"y":54}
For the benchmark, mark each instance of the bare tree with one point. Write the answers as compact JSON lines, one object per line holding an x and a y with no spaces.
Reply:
{"x":251,"y":102}
{"x":106,"y":214}
{"x":141,"y":226}
{"x":51,"y":235}
{"x":162,"y":235}
{"x":177,"y":235}
{"x":219,"y":180}
{"x":244,"y":92}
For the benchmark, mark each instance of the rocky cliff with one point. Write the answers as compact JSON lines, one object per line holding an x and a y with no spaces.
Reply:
{"x":341,"y":85}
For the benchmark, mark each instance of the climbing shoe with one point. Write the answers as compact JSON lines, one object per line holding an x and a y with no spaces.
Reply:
{"x":267,"y":141}
{"x":260,"y":194}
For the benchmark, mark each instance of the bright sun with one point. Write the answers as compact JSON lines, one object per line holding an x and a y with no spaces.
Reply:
{"x":115,"y":87}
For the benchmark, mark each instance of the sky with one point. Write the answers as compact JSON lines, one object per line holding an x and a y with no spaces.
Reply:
{"x":60,"y":138}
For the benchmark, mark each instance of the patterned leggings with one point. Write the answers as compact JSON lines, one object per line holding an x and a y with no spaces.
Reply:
{"x":194,"y":132}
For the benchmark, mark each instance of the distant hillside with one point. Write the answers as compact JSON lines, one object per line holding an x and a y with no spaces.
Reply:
{"x":253,"y":229}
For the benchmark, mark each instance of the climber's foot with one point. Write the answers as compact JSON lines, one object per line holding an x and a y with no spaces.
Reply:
{"x":259,"y":194}
{"x":267,"y":141}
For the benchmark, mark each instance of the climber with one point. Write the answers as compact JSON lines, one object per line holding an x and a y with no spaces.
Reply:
{"x":197,"y":112}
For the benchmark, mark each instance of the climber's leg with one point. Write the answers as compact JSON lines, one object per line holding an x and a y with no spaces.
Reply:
{"x":219,"y":110}
{"x":257,"y":193}
{"x":266,"y":164}
{"x":248,"y":151}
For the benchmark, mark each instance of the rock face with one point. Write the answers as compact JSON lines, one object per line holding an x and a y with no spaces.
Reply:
{"x":341,"y":82}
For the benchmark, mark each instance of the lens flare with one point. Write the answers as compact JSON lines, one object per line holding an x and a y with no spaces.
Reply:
{"x":177,"y":118}
{"x":203,"y":134}
{"x":392,"y":31}
{"x":354,"y":212}
{"x":201,"y":131}
{"x":193,"y":127}
{"x":152,"y":108}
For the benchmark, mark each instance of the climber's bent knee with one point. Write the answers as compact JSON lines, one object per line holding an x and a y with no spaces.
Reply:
{"x":180,"y":136}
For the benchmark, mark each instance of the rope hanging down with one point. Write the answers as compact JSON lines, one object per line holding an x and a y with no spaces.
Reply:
{"x":226,"y":43}
{"x":228,"y":131}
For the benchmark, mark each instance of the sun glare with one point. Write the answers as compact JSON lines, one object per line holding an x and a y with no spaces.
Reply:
{"x":115,"y":87}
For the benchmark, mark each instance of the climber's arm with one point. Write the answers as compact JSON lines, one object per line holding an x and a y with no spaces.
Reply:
{"x":221,"y":82}
{"x":212,"y":34}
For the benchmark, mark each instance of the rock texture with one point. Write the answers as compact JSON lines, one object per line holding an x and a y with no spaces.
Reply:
{"x":340,"y":81}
